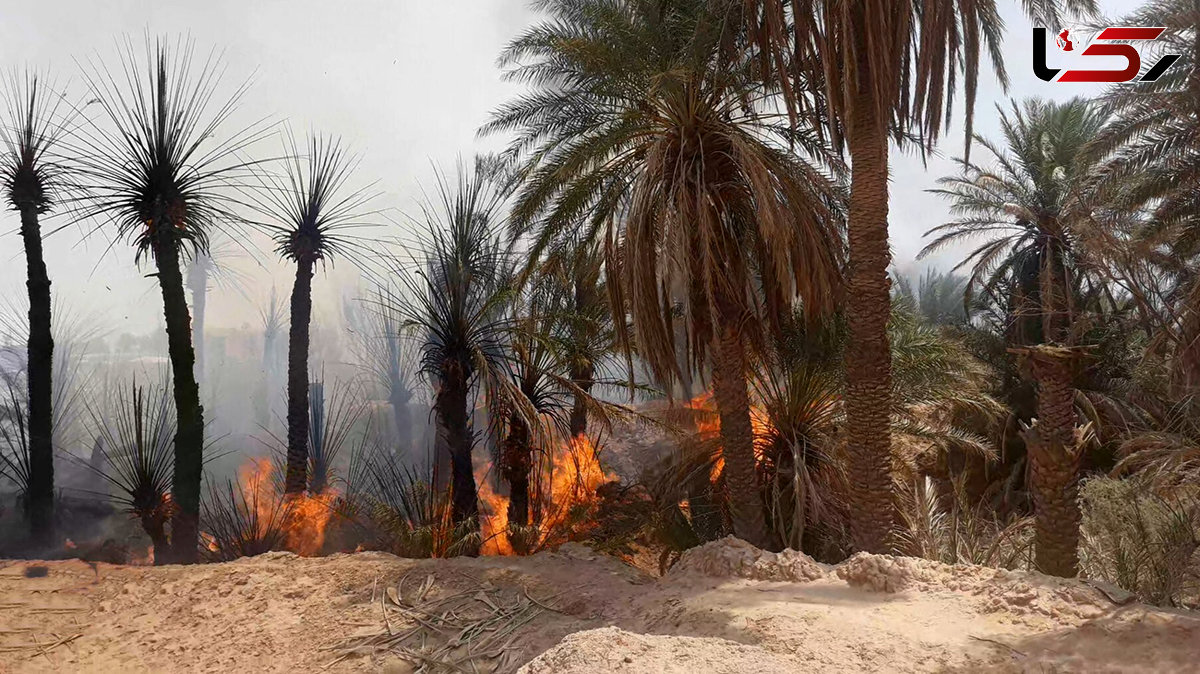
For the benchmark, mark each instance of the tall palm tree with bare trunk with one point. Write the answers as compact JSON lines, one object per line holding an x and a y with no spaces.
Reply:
{"x":151,"y":166}
{"x":883,"y":71}
{"x":30,"y":176}
{"x":1032,"y":212}
{"x":650,"y":134}
{"x":459,"y":316}
{"x":313,"y":216}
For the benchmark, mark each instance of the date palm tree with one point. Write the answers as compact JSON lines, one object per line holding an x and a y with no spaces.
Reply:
{"x":1028,"y":209}
{"x":385,"y":355}
{"x":312,"y":217}
{"x":648,"y":128}
{"x":1148,"y":159}
{"x":29,"y":177}
{"x":152,"y":165}
{"x":1033,"y":207}
{"x":885,"y":70}
{"x":584,"y":338}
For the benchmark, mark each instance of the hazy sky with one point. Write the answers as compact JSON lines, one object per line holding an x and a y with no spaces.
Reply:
{"x":405,"y":82}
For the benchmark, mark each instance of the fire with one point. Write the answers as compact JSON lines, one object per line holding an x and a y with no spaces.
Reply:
{"x":569,"y":478}
{"x":306,"y":516}
{"x":708,"y":425}
{"x":493,"y":520}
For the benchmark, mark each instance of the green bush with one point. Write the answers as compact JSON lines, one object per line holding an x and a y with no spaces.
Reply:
{"x":1143,"y":540}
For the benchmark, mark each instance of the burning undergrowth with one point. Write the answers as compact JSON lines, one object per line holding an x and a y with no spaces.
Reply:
{"x":564,"y":497}
{"x":248,"y":516}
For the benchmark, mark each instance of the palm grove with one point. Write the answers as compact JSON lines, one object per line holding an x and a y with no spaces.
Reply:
{"x":695,"y":192}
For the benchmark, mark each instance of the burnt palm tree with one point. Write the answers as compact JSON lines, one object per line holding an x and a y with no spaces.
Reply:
{"x":313,"y":216}
{"x":459,"y":315}
{"x":29,"y":177}
{"x":651,"y":134}
{"x":152,"y":166}
{"x":538,"y":372}
{"x":882,"y":71}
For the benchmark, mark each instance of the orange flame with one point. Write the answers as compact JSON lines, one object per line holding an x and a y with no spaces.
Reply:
{"x":493,"y":520}
{"x":708,"y":425}
{"x":305,"y":518}
{"x":570,"y":478}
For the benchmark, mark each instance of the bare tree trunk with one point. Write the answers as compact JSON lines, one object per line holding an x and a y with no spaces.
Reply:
{"x":40,"y":382}
{"x":189,"y":435}
{"x":583,"y":378}
{"x":1054,"y":453}
{"x":868,"y":356}
{"x":198,"y":284}
{"x":454,"y":430}
{"x":737,"y":435}
{"x":296,"y":480}
{"x":518,"y":458}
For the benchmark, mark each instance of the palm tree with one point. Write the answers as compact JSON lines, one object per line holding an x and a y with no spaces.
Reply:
{"x":459,"y":316}
{"x":273,"y":317}
{"x":648,"y":133}
{"x":312,"y":214}
{"x":1147,"y":163}
{"x":884,"y":70}
{"x":584,"y":339}
{"x":385,"y":354}
{"x":1035,"y":210}
{"x":150,"y":167}
{"x":939,"y":297}
{"x":29,"y":178}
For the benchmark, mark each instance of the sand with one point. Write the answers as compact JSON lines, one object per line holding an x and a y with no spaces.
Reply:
{"x":725,"y":607}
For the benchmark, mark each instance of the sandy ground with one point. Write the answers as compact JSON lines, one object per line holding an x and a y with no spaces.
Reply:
{"x":724,"y":608}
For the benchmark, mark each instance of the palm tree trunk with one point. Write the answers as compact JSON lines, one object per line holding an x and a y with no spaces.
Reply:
{"x":518,"y":457}
{"x":737,"y":436}
{"x":455,"y":436}
{"x":1054,"y":464}
{"x":40,"y":382}
{"x":296,"y":479}
{"x":189,"y":435}
{"x":583,"y":378}
{"x":198,"y":284}
{"x":868,"y":356}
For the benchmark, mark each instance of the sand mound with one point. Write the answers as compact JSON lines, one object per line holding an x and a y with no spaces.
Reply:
{"x":574,"y":610}
{"x":1020,"y":593}
{"x":611,"y":649}
{"x":734,"y":558}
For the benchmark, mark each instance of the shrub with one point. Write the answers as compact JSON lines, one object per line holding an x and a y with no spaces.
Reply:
{"x":1142,"y":539}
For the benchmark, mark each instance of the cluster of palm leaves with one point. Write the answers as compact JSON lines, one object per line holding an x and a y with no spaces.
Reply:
{"x":675,"y":201}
